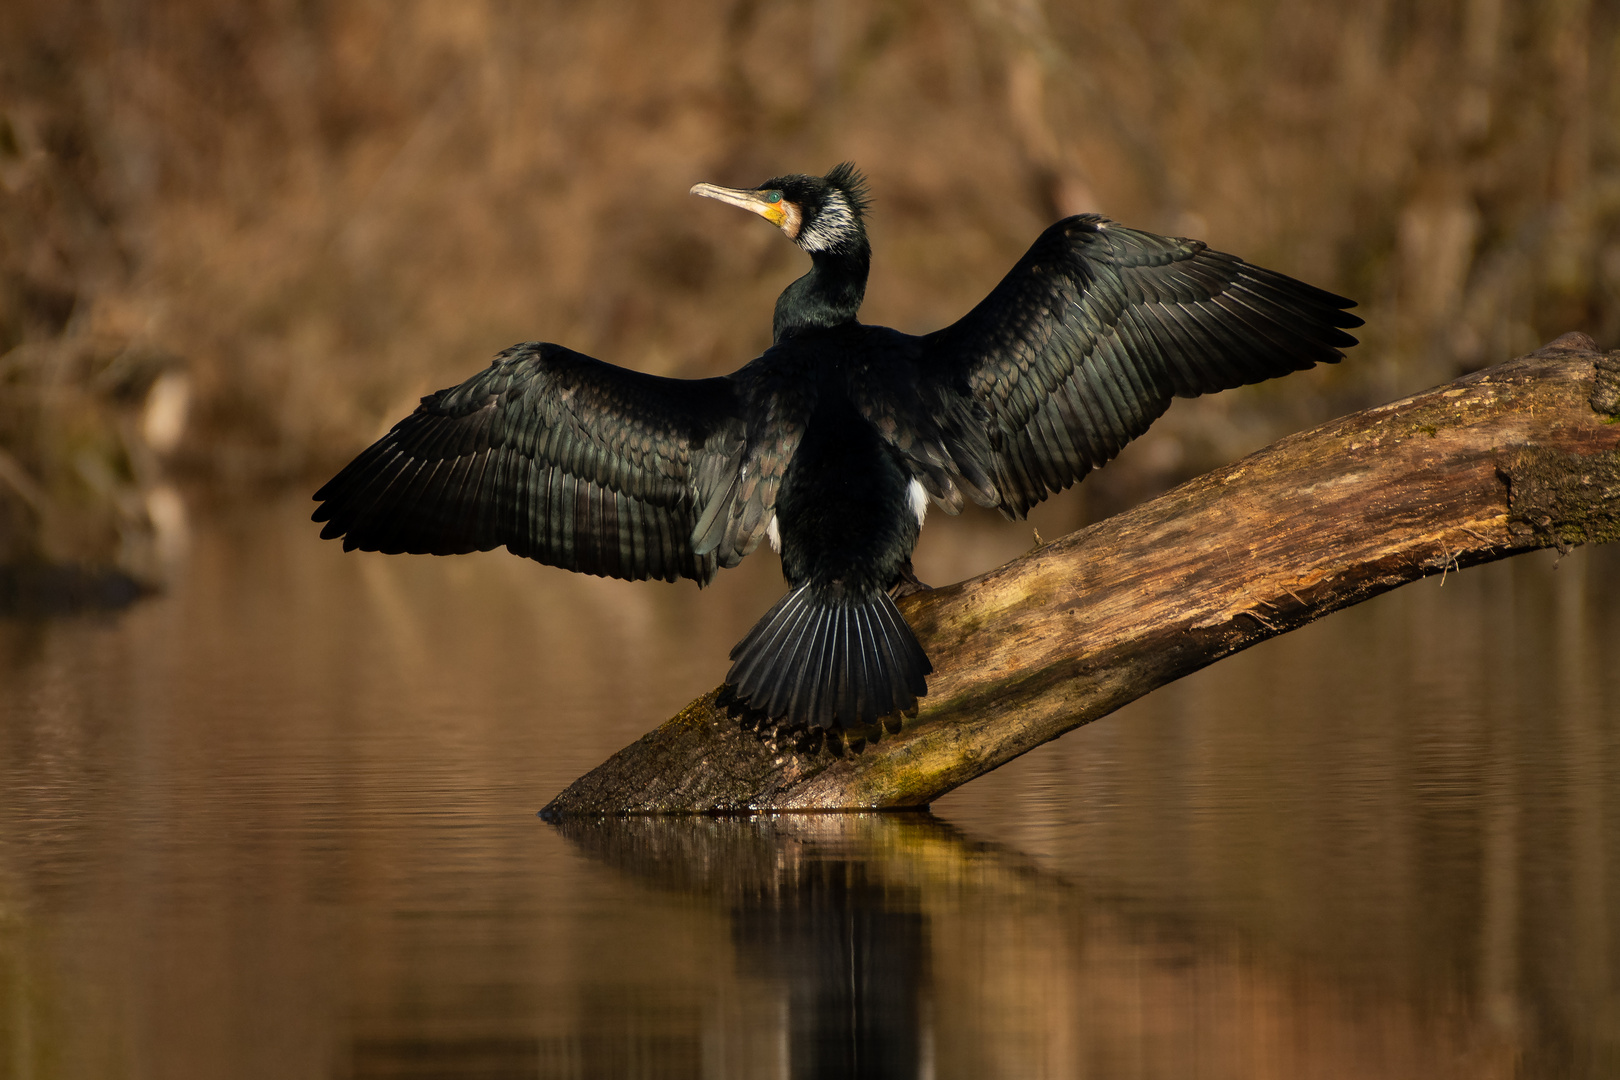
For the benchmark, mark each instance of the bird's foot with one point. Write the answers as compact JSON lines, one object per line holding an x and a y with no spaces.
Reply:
{"x":907,"y":585}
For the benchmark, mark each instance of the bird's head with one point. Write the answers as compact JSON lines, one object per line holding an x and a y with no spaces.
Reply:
{"x":819,"y":213}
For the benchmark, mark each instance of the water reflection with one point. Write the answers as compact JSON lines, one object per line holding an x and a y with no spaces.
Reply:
{"x":897,"y":946}
{"x":281,"y":823}
{"x":816,"y":911}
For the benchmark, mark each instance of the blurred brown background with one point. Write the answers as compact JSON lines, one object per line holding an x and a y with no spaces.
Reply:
{"x":237,"y":240}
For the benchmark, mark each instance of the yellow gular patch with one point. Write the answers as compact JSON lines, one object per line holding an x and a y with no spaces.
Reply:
{"x":786,"y":215}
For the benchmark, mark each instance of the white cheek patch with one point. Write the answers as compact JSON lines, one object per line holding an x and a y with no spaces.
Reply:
{"x":830,"y":226}
{"x":774,"y":535}
{"x":919,"y":501}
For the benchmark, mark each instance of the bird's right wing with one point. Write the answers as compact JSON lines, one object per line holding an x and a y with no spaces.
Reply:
{"x":561,"y":458}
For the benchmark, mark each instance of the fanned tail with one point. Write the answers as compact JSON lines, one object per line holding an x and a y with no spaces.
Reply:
{"x":830,"y":661}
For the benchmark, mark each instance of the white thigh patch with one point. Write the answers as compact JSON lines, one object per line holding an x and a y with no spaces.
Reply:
{"x":919,"y":501}
{"x":774,"y":535}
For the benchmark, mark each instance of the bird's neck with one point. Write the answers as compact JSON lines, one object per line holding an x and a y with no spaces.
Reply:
{"x":829,"y":295}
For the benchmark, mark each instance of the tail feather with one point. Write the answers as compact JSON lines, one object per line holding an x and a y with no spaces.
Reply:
{"x":830,"y":661}
{"x":765,"y":640}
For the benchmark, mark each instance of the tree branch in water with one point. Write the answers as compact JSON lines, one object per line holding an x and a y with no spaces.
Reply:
{"x":1518,"y":457}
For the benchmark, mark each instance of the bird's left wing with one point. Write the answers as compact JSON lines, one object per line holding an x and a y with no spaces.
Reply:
{"x":560,"y":457}
{"x":1084,"y":343}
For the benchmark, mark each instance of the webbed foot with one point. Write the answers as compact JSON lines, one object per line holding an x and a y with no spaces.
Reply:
{"x":908,"y":584}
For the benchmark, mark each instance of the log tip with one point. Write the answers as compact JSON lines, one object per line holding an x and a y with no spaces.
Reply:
{"x":1572,"y":342}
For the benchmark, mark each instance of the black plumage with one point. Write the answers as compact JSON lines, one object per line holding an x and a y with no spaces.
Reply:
{"x":832,"y":441}
{"x":559,"y":457}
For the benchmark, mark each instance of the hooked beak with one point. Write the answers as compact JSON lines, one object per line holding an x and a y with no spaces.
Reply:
{"x":775,"y":213}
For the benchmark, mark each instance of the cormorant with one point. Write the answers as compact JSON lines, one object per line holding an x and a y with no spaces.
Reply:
{"x":832,"y":442}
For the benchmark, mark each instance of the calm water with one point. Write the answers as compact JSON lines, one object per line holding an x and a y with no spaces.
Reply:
{"x":281,"y":823}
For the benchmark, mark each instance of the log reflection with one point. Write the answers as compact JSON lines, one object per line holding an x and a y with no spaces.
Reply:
{"x":895,"y":945}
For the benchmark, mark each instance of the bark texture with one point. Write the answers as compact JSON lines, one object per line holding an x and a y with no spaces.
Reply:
{"x":1521,"y":456}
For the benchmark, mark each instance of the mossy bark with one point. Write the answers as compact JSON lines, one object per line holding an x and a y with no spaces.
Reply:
{"x":1521,"y":456}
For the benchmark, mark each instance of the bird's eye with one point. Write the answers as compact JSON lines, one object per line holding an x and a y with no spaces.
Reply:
{"x":773,"y":196}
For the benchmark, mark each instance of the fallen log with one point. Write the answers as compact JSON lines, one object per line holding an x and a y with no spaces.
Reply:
{"x":1514,"y":458}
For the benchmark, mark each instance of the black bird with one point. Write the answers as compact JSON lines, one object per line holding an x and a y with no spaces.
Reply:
{"x":832,"y":442}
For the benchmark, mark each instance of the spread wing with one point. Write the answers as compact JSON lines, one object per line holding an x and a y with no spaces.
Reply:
{"x":1082,"y":346}
{"x":561,"y":458}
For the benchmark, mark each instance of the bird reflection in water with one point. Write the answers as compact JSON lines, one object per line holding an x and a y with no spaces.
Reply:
{"x":816,"y":910}
{"x":854,"y":956}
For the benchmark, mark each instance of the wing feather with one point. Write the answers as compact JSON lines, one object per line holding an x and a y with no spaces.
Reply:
{"x":1084,"y":344}
{"x":558,"y":457}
